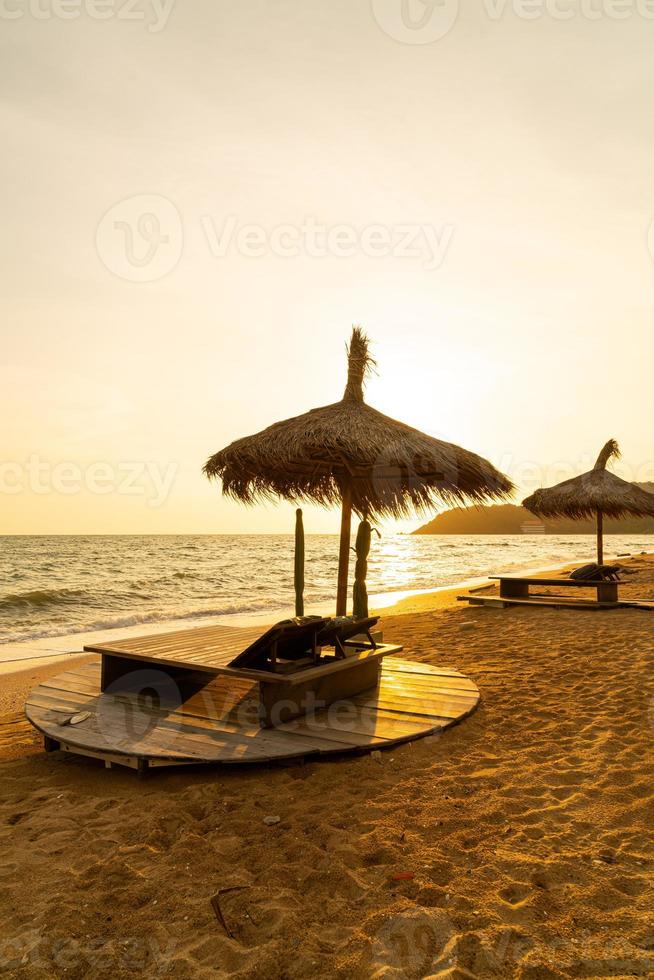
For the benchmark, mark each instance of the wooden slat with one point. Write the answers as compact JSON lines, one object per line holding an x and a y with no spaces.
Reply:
{"x":549,"y":602}
{"x":573,"y":582}
{"x":435,"y":709}
{"x":416,"y":667}
{"x":226,"y":639}
{"x":420,"y":681}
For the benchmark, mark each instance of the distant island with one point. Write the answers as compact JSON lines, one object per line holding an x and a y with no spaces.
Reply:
{"x":513,"y":519}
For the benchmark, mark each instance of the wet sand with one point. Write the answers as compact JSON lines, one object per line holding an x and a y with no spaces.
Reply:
{"x":518,"y":844}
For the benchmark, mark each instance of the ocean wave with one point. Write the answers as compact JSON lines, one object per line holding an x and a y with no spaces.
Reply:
{"x":136,"y":619}
{"x":41,"y":598}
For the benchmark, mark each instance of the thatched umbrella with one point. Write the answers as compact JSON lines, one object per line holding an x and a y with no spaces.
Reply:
{"x":598,"y":493}
{"x":350,"y":454}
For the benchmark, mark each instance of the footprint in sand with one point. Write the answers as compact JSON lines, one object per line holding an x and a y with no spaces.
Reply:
{"x":516,"y":895}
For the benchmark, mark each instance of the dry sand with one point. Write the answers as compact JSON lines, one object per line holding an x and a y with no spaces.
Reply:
{"x":524,"y":835}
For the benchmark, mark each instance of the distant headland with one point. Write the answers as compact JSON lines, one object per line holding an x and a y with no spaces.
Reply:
{"x":513,"y":519}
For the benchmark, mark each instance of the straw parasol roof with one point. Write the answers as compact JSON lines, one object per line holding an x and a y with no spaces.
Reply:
{"x":597,"y":493}
{"x":348,"y":453}
{"x":393,"y":469}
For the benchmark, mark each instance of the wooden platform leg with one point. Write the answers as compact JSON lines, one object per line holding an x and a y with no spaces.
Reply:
{"x":514,"y":590}
{"x":279,"y":703}
{"x":607,"y":592}
{"x":142,"y":768}
{"x":51,"y":744}
{"x":115,"y":669}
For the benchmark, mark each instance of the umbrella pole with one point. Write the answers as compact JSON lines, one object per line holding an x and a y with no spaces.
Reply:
{"x":344,"y":552}
{"x":298,"y":572}
{"x":600,"y":534}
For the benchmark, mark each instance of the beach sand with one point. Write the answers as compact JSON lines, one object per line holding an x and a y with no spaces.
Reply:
{"x":517,"y":844}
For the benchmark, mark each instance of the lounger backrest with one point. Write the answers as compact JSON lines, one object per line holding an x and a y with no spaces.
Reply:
{"x":586,"y":572}
{"x":596,"y":573}
{"x":292,"y":639}
{"x":344,"y":630}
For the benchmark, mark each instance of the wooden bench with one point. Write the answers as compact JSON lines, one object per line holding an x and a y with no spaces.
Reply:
{"x":189,"y":658}
{"x":518,"y":587}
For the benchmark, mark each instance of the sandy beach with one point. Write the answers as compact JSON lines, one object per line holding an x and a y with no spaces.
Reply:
{"x":326,"y":312}
{"x":517,"y":844}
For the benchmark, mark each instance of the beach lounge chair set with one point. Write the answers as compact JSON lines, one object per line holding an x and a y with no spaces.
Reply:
{"x":516,"y":590}
{"x":223,"y":694}
{"x":297,"y":663}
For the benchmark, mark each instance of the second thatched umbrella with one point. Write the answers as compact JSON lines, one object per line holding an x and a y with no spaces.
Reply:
{"x":350,"y":454}
{"x":596,"y":494}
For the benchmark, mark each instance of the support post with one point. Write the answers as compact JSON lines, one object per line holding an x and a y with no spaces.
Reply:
{"x":298,"y":575}
{"x":344,"y":551}
{"x":360,"y":592}
{"x":510,"y":589}
{"x":600,"y":537}
{"x":607,"y":592}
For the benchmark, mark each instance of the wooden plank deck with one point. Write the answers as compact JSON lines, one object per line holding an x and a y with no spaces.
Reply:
{"x":548,"y":601}
{"x":210,"y":649}
{"x":519,"y":587}
{"x":219,"y":723}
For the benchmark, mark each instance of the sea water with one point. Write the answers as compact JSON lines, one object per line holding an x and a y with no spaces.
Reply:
{"x":55,"y":586}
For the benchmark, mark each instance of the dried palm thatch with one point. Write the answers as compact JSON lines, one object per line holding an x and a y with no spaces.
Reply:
{"x":594,"y":494}
{"x":392,"y":469}
{"x":351,"y":454}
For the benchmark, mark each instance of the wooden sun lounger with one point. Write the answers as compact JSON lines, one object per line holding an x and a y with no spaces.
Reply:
{"x":191,"y":657}
{"x":518,"y":587}
{"x":516,"y":590}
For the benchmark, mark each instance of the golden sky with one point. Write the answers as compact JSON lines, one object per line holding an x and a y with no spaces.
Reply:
{"x":199,"y":198}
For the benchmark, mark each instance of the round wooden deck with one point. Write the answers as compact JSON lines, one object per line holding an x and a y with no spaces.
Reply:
{"x":218,"y":722}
